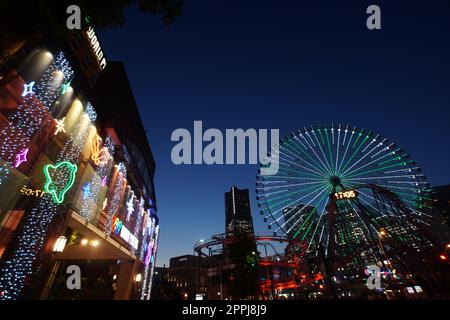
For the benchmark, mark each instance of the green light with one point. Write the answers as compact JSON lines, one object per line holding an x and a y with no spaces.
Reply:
{"x":51,"y":186}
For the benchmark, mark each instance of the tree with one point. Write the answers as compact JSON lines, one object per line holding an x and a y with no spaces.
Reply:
{"x":22,"y":22}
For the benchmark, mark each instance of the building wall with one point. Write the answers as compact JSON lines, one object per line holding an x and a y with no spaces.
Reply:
{"x":84,"y":158}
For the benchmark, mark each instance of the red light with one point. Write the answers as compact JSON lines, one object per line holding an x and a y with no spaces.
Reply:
{"x":443,"y":257}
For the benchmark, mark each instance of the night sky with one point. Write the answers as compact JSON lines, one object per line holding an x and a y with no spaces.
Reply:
{"x":290,"y":64}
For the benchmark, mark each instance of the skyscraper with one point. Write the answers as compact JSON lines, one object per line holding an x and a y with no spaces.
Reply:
{"x":238,"y":216}
{"x":240,"y":249}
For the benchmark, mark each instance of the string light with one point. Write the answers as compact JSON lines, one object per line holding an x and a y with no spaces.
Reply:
{"x":118,"y":189}
{"x":138,"y":225}
{"x":91,"y":113}
{"x":4,"y":172}
{"x":97,"y":182}
{"x":19,"y":265}
{"x":153,"y":261}
{"x":23,"y":125}
{"x":48,"y":88}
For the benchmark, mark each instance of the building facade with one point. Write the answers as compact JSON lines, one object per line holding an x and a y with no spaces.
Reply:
{"x":239,"y":247}
{"x":76,"y":176}
{"x":187,"y":274}
{"x":238,"y":216}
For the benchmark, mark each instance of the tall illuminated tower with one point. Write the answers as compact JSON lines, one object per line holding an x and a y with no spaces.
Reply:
{"x":238,"y":216}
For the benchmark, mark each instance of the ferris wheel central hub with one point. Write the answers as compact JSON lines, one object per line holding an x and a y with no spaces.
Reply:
{"x":335,"y":181}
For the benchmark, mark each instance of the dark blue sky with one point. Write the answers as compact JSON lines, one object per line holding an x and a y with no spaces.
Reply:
{"x":286,"y":65}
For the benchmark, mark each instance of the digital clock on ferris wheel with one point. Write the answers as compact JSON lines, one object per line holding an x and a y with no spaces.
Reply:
{"x":345,"y":195}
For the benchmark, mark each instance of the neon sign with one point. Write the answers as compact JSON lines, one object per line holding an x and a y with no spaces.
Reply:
{"x":52,"y":186}
{"x":95,"y":45}
{"x":27,"y":89}
{"x":120,"y":230}
{"x":21,"y":157}
{"x":100,"y":156}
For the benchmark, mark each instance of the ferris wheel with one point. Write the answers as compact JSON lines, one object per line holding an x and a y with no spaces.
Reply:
{"x":372,"y":183}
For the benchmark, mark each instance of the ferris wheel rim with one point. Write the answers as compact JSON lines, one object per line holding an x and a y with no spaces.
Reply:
{"x":324,"y":162}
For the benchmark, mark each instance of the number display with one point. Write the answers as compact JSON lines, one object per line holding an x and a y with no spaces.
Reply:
{"x":346,"y":194}
{"x":31,"y":192}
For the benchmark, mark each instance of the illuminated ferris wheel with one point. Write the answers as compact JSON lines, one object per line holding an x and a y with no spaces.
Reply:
{"x":347,"y":184}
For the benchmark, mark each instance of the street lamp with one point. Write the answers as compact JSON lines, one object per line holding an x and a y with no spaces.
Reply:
{"x":60,"y":244}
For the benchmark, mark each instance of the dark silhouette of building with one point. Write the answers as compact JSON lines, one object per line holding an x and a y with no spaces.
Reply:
{"x":441,"y":201}
{"x":238,"y":216}
{"x":240,"y":247}
{"x":187,"y":275}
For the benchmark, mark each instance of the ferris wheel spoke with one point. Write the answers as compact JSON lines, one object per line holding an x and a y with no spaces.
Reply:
{"x":316,"y":173}
{"x":314,"y":151}
{"x":322,"y":201}
{"x":367,"y":164}
{"x":356,"y":151}
{"x":317,"y":193}
{"x":293,"y":192}
{"x":371,"y":205}
{"x":312,"y":212}
{"x":315,"y":231}
{"x":357,"y":162}
{"x":346,"y":149}
{"x":329,"y":151}
{"x":300,"y":158}
{"x":338,"y":144}
{"x":321,"y":149}
{"x":286,"y":203}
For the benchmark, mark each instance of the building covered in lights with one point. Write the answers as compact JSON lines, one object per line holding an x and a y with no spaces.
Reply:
{"x":76,"y":176}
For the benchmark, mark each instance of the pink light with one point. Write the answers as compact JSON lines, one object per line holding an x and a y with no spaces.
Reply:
{"x":104,"y":181}
{"x":21,"y":157}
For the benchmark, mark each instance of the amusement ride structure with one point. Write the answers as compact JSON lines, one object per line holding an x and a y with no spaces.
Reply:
{"x":348,"y":201}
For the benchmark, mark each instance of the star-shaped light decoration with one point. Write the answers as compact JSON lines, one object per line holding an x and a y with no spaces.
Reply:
{"x":141,"y":206}
{"x":21,"y":157}
{"x":130,"y":207}
{"x":86,"y":191}
{"x":104,"y":181}
{"x":60,"y":126}
{"x":28,"y":88}
{"x":105,"y":203}
{"x":65,"y":87}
